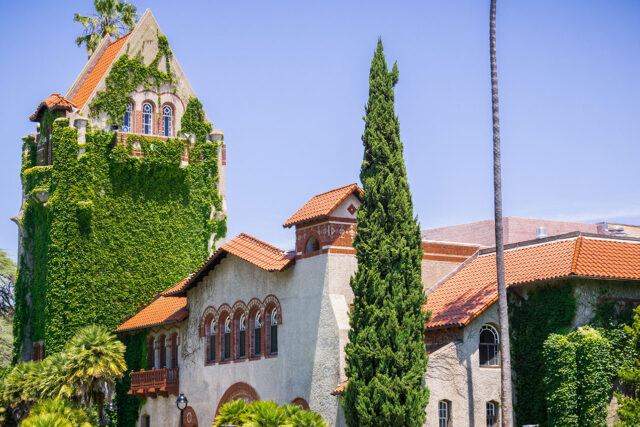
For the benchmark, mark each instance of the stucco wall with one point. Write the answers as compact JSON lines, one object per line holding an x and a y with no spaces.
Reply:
{"x":454,"y":374}
{"x":314,"y":295}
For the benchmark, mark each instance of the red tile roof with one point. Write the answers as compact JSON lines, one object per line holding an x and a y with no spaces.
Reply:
{"x":55,"y":101}
{"x":472,"y":289}
{"x":322,"y":205}
{"x":95,"y":75}
{"x":161,"y":311}
{"x":339,"y":391}
{"x":243,"y":246}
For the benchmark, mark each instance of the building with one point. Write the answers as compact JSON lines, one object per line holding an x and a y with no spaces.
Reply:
{"x":85,"y":189}
{"x":255,"y":322}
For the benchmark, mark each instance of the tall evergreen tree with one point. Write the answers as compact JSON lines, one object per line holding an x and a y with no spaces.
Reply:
{"x":386,"y":357}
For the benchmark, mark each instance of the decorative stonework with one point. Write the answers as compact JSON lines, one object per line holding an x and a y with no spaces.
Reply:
{"x":238,"y":391}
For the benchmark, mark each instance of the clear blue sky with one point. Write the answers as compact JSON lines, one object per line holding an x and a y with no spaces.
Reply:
{"x":287,"y":82}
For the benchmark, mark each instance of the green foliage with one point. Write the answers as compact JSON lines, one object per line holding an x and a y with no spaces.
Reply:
{"x":266,"y":413}
{"x":83,"y":373}
{"x":193,"y":121}
{"x":128,"y":406}
{"x":547,"y":310}
{"x":386,"y":357}
{"x":112,"y":17}
{"x":560,"y":380}
{"x":629,"y":373}
{"x":56,"y":413}
{"x":36,"y":178}
{"x":94,"y":246}
{"x":126,"y":75}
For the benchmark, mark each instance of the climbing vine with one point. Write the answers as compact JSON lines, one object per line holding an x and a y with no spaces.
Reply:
{"x":115,"y":230}
{"x":126,"y":75}
{"x":548,"y":309}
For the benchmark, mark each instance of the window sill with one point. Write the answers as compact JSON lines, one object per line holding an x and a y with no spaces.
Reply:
{"x":271,"y":356}
{"x":489,"y":367}
{"x":239,"y":360}
{"x":210,"y":363}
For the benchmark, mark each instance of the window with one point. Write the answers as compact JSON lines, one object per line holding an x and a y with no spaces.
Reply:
{"x":212,"y":342}
{"x":227,"y":339}
{"x":257,"y":335}
{"x":163,"y":353}
{"x":174,"y":350}
{"x":146,"y":421}
{"x":169,"y":350}
{"x":491,"y":414}
{"x":444,"y":413}
{"x":126,"y":119}
{"x":242,"y":351}
{"x":489,"y":342}
{"x":150,"y":353}
{"x":312,"y":245}
{"x":167,"y":120}
{"x":147,"y":118}
{"x":274,"y":331}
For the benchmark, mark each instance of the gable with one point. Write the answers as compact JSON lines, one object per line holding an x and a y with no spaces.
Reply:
{"x":142,"y":40}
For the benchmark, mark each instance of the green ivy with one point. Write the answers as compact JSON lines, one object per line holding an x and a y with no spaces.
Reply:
{"x":126,"y":75}
{"x":128,"y":406}
{"x":116,"y":230}
{"x":547,"y":310}
{"x":560,"y":379}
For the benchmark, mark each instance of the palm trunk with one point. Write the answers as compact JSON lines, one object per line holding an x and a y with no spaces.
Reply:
{"x":505,"y":350}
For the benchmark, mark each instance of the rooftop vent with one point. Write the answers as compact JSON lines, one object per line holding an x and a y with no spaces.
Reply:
{"x":616,"y":229}
{"x":541,"y":232}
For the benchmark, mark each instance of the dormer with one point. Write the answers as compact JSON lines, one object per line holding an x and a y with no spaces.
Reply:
{"x":327,"y":222}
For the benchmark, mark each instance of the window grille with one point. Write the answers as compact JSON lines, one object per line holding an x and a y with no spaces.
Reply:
{"x":147,"y":118}
{"x":489,"y":346}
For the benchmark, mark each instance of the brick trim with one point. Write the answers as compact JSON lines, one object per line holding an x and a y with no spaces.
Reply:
{"x":239,"y":390}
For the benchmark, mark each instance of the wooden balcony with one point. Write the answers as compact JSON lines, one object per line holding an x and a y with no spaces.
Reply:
{"x":156,"y":382}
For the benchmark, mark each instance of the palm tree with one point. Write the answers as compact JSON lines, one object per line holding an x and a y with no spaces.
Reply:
{"x":95,"y":358}
{"x":505,"y":347}
{"x":56,"y":413}
{"x":233,"y":413}
{"x":113,"y":18}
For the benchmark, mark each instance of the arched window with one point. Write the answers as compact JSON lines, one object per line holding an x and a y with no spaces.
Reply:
{"x":273,"y":347}
{"x":227,"y":339}
{"x":147,"y":118}
{"x":127,"y":118}
{"x":257,"y":334}
{"x":167,"y":120}
{"x":492,"y":417}
{"x":242,"y":351}
{"x":312,"y":245}
{"x":174,"y":350}
{"x":444,"y":413}
{"x":212,"y":342}
{"x":489,"y":346}
{"x":163,"y":352}
{"x":151,"y":362}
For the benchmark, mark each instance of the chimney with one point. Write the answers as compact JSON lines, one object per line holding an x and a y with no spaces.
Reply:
{"x":541,"y":232}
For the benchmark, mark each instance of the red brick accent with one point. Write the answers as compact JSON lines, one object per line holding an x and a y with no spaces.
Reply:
{"x":300,"y":402}
{"x":328,"y":233}
{"x":239,"y":390}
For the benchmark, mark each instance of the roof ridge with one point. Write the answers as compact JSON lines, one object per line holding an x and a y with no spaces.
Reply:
{"x":335,"y":189}
{"x":576,"y":255}
{"x":280,"y":251}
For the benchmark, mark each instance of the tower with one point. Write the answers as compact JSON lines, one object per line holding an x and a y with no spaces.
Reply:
{"x":123,"y":192}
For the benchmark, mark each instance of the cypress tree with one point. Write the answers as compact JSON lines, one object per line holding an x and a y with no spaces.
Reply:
{"x":386,"y":357}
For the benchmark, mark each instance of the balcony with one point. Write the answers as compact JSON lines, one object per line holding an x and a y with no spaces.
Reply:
{"x":156,"y":382}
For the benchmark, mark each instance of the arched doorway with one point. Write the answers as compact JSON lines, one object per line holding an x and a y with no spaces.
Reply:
{"x":238,"y":391}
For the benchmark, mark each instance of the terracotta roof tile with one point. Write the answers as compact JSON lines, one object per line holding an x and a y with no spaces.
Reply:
{"x":55,"y":101}
{"x":243,"y":246}
{"x":472,"y":289}
{"x":95,"y":75}
{"x":322,"y":205}
{"x":161,"y":311}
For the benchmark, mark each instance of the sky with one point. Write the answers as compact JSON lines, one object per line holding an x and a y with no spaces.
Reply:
{"x":287,"y":81}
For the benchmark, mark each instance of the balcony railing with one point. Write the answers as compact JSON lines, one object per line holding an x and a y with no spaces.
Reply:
{"x":155,"y":382}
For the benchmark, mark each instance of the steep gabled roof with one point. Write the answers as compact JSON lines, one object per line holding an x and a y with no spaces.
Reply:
{"x":322,"y":205}
{"x":55,"y":101}
{"x":472,"y":289}
{"x":162,"y":311}
{"x":243,"y":246}
{"x":94,"y":76}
